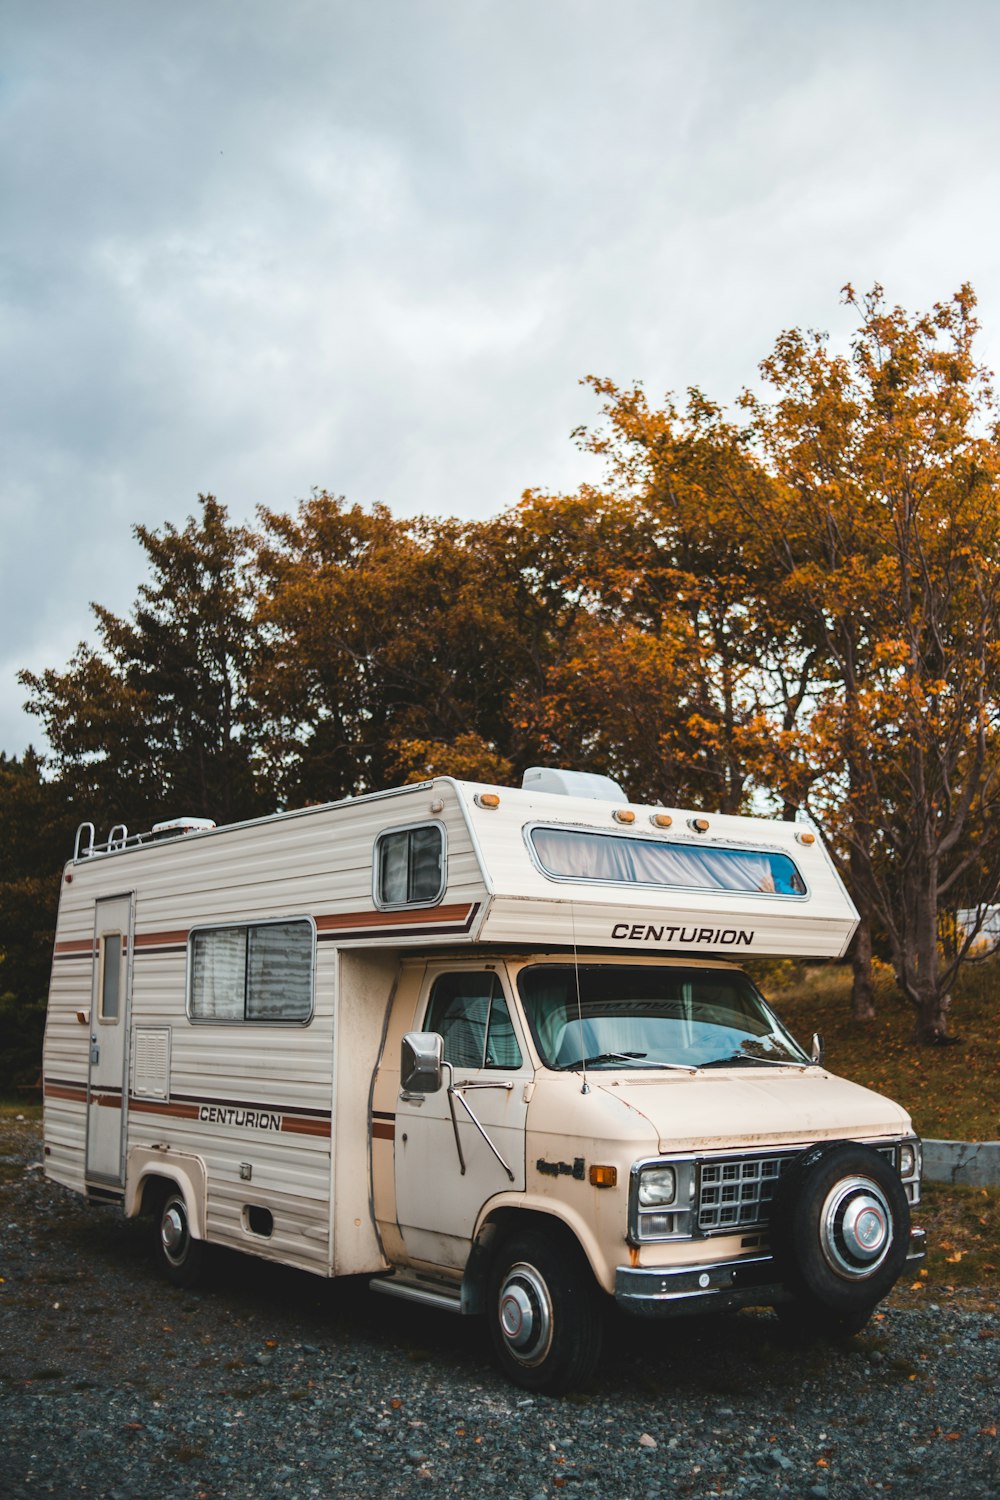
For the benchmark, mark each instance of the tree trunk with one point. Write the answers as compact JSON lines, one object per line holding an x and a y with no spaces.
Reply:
{"x":863,"y":990}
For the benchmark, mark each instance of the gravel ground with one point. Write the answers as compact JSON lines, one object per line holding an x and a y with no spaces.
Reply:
{"x":270,"y":1383}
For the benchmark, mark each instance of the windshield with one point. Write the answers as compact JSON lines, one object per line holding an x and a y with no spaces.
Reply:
{"x":650,"y":1016}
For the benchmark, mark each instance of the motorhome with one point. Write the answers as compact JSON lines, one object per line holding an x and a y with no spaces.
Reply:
{"x":490,"y":1046}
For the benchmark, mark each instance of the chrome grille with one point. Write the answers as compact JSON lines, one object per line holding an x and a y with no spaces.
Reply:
{"x":736,"y":1192}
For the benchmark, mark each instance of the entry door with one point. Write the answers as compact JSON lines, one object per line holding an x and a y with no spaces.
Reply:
{"x":109,"y":1026}
{"x":436,"y":1204}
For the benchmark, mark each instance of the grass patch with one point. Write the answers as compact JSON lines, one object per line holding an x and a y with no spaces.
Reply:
{"x":950,"y":1092}
{"x":30,"y":1107}
{"x":963,"y":1235}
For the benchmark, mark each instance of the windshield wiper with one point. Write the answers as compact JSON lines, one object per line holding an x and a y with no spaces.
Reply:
{"x":749,"y":1058}
{"x":625,"y":1057}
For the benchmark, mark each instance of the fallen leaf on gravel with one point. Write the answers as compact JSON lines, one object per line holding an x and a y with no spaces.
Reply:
{"x":952,"y":1437}
{"x":953,"y":1260}
{"x":990,"y":1431}
{"x":646,"y":1441}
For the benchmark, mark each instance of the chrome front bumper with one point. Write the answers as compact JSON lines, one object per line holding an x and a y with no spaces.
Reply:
{"x":747,"y":1281}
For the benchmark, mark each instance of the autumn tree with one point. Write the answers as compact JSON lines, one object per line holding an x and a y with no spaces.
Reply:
{"x":884,"y":527}
{"x":399,"y":648}
{"x":155,"y":719}
{"x":680,"y":678}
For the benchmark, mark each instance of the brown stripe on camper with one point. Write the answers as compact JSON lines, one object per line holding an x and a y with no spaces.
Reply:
{"x":384,"y":1130}
{"x":161,"y":1107}
{"x":305,"y":1127}
{"x":392,"y":923}
{"x":161,"y":940}
{"x":54,"y":1088}
{"x":74,"y":948}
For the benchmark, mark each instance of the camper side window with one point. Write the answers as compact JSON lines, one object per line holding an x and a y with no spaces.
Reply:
{"x":410,"y":866}
{"x":258,"y":973}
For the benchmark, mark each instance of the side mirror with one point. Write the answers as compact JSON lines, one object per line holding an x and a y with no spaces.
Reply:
{"x":420,"y":1062}
{"x":817,"y":1048}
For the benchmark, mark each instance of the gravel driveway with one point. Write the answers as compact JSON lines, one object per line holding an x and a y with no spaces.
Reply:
{"x":270,"y":1383}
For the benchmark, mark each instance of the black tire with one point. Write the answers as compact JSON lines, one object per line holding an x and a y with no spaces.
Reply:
{"x":179,"y":1257}
{"x":841,"y":1233}
{"x":545,"y":1313}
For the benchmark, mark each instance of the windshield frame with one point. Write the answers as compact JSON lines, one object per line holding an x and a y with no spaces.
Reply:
{"x":591,"y":1022}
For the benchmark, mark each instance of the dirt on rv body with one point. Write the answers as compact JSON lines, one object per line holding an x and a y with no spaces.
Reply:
{"x":269,"y":1383}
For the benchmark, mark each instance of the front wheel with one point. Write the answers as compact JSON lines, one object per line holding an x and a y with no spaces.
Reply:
{"x":546,"y":1319}
{"x":179,"y":1257}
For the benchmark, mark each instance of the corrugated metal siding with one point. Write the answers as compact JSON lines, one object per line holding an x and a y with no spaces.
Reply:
{"x":318,"y":864}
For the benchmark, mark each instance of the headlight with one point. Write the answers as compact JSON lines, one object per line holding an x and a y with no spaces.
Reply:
{"x":657,"y":1187}
{"x":907,"y":1159}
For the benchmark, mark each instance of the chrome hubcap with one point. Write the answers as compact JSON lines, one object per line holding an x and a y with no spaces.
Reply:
{"x":172,"y":1230}
{"x":855,"y":1227}
{"x":525,"y":1313}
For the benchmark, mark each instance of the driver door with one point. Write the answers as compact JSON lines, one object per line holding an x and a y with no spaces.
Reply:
{"x":437,"y":1204}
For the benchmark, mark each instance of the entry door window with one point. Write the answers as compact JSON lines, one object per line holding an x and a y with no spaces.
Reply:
{"x":469,"y":1010}
{"x":111,"y":976}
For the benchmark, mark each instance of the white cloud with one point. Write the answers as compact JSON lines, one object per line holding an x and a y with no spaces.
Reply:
{"x":250,"y":250}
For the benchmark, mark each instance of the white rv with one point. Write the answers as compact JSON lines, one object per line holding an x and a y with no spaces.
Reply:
{"x":491,"y":1045}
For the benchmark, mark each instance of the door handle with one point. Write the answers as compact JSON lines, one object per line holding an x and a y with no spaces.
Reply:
{"x":95,"y":1053}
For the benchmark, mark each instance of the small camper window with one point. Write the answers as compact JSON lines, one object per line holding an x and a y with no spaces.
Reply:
{"x":576,"y":854}
{"x":255,"y":973}
{"x":410,"y":866}
{"x":111,"y":971}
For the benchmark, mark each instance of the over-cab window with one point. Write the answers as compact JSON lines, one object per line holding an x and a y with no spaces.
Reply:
{"x":470,"y":1012}
{"x":259,"y":972}
{"x":410,"y":866}
{"x":577,"y":854}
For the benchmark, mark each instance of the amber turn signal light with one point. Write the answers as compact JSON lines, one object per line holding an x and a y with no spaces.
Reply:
{"x":604,"y":1176}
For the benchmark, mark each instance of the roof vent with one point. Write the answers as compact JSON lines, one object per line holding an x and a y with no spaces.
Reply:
{"x":182,"y":825}
{"x":572,"y":784}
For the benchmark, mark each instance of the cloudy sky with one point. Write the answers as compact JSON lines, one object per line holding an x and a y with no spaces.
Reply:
{"x":252,"y":247}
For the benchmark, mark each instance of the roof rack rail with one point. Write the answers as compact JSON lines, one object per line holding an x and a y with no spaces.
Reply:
{"x":85,"y":845}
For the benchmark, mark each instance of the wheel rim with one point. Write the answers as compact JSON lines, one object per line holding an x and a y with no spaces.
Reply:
{"x":856,"y":1227}
{"x":174,"y":1232}
{"x":524,"y":1309}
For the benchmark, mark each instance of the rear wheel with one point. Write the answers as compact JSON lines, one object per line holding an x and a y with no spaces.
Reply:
{"x":545,"y":1314}
{"x":179,"y":1257}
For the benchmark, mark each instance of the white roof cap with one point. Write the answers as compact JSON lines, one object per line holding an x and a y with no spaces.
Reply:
{"x":572,"y":784}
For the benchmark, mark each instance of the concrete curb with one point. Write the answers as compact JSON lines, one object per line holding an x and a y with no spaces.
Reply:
{"x":968,"y":1163}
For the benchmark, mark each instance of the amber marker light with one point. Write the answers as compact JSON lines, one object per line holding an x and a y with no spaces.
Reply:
{"x":661,"y":820}
{"x":624,"y":815}
{"x":604,"y":1176}
{"x":700,"y":825}
{"x":806,"y":838}
{"x":487,"y":799}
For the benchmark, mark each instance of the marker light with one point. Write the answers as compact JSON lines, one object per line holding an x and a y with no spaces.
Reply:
{"x":603,"y":1176}
{"x":623,"y":815}
{"x":700,"y":825}
{"x":487,"y":799}
{"x":661,"y":820}
{"x":806,"y":838}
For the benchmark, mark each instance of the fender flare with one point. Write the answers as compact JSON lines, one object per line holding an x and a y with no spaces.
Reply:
{"x":186,"y":1172}
{"x":518,"y":1207}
